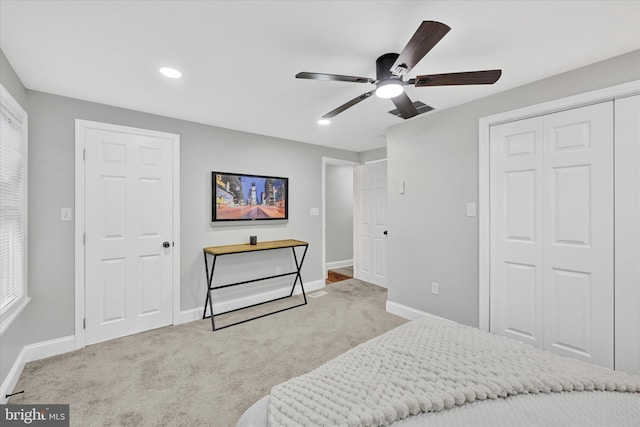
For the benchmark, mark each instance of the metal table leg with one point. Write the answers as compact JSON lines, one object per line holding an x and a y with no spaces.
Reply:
{"x":298,"y":275}
{"x":208,"y":300}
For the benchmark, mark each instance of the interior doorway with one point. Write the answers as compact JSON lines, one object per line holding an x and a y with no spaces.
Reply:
{"x":337,"y":219}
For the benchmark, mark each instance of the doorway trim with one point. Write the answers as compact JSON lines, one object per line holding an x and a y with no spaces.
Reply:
{"x":484,"y":125}
{"x":334,"y":162}
{"x":80,"y":221}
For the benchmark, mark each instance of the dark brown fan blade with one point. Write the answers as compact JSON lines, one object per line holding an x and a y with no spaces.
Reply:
{"x":487,"y":77}
{"x":333,"y":77}
{"x":429,"y":33}
{"x":405,"y":106}
{"x":349,"y":104}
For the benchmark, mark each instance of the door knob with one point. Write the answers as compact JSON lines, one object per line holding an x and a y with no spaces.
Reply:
{"x":385,"y":232}
{"x":166,"y":244}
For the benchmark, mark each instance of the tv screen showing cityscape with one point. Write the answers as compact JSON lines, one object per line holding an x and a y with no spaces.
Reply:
{"x":240,"y":197}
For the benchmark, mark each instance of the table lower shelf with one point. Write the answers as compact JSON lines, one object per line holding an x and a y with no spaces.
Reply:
{"x":217,"y":315}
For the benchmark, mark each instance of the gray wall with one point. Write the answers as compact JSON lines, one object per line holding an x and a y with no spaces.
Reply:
{"x":372,"y":155}
{"x":14,"y":338}
{"x":339,"y":213}
{"x":11,"y":81}
{"x":430,"y":237}
{"x":202,"y":150}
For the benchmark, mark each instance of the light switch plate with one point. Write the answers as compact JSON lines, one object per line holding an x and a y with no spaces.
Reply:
{"x":314,"y":211}
{"x":65,"y":214}
{"x":401,"y":187}
{"x":471,"y":209}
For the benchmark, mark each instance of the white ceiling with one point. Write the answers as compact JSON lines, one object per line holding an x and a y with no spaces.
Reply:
{"x":239,"y":58}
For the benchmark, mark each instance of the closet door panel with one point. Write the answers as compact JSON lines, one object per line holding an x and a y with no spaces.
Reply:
{"x":578,"y":233}
{"x":516,"y":223}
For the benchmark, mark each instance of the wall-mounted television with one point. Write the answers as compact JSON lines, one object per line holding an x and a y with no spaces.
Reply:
{"x":243,"y":197}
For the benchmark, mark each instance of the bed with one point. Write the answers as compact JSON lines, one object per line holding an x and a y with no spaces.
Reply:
{"x":432,"y":371}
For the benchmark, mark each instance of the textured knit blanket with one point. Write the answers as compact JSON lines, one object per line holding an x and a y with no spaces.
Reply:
{"x":428,"y":365}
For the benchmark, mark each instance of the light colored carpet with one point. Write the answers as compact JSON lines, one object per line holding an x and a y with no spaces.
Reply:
{"x":187,"y":375}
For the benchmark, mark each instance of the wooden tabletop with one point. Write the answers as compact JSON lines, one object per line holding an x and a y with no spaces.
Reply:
{"x":246,"y":247}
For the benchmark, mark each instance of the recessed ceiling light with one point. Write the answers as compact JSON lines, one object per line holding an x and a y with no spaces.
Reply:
{"x":172,"y":73}
{"x":324,"y":122}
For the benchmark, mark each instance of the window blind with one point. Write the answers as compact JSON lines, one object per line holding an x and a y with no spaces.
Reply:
{"x":12,"y":211}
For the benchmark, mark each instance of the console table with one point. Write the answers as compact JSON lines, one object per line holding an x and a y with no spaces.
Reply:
{"x":214,"y":252}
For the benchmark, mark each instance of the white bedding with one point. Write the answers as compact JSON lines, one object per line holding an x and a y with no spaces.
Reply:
{"x":430,"y":364}
{"x":579,"y":409}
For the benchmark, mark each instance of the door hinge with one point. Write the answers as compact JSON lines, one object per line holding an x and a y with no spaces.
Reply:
{"x":84,"y":154}
{"x":84,"y":323}
{"x":84,"y":239}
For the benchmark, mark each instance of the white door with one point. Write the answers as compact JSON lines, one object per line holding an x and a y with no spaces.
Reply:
{"x":517,"y":237}
{"x":578,"y":235}
{"x":371,"y":223}
{"x":128,"y":217}
{"x":552,"y":232}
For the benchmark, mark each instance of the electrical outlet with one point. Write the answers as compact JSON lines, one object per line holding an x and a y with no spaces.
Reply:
{"x":435,"y":288}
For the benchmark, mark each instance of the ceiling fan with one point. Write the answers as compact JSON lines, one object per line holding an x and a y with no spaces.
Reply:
{"x":392,"y":67}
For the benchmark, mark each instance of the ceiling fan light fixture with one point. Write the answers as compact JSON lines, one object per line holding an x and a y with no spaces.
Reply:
{"x":389,"y":89}
{"x":324,"y":122}
{"x":172,"y":73}
{"x":392,"y":67}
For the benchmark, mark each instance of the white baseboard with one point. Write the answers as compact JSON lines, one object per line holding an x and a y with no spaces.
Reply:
{"x":12,"y":377}
{"x":49,"y":348}
{"x":32,"y":352}
{"x":193,"y":314}
{"x":338,"y":264}
{"x":405,"y":311}
{"x":410,"y":313}
{"x":189,"y":315}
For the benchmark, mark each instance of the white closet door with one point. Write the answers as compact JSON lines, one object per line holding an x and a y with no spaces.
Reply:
{"x":578,"y":233}
{"x":516,"y":224}
{"x":552,"y":232}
